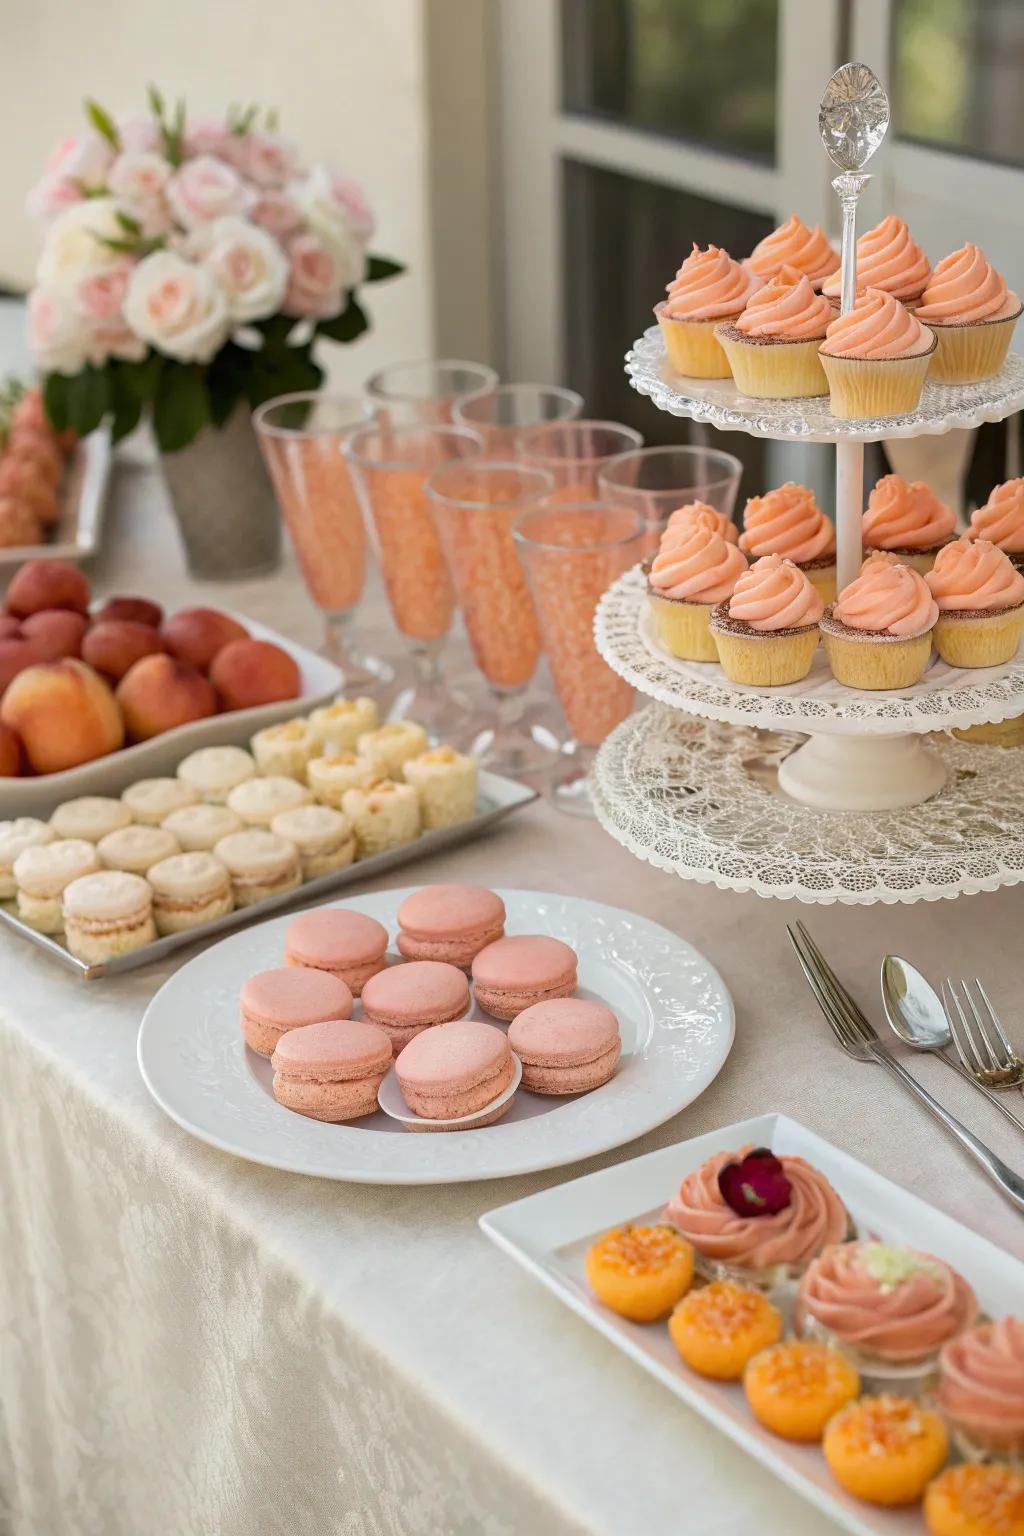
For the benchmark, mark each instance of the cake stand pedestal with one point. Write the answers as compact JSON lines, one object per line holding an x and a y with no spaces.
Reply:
{"x":867,"y":773}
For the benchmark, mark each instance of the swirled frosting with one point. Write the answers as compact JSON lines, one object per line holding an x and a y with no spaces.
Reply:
{"x":775,"y":594}
{"x":787,"y":307}
{"x":887,"y":599}
{"x":794,"y":245}
{"x":889,"y":259}
{"x":787,"y":521}
{"x":981,"y":1382}
{"x":709,"y":286}
{"x":905,"y":514}
{"x":698,"y":512}
{"x":696,"y":566}
{"x":1001,"y":519}
{"x":877,"y":326}
{"x":974,"y":574}
{"x":964,"y":289}
{"x":895,"y":1303}
{"x":814,"y":1217}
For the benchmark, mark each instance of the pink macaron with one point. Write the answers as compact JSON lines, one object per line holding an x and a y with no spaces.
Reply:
{"x":456,"y":1069}
{"x":566,"y":1045}
{"x":273,"y":1002}
{"x":331,"y":1071}
{"x":449,"y":922}
{"x":405,"y":999}
{"x":514,"y":973}
{"x":349,"y":945}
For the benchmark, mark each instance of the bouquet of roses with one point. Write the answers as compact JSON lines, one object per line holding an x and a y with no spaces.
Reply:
{"x":188,"y":267}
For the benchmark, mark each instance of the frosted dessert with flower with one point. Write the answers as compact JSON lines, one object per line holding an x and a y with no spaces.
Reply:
{"x":972,"y":313}
{"x":980,"y":598}
{"x":875,"y":357}
{"x":907,"y":518}
{"x":693,"y":570}
{"x":772,"y":346}
{"x":766,"y":633}
{"x":708,"y":288}
{"x":787,"y":521}
{"x":878,"y":634}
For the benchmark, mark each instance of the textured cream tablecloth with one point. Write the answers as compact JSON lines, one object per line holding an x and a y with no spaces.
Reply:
{"x":190,"y":1346}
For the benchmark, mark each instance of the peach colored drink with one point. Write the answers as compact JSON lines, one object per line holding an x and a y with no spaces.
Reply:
{"x":573,"y":452}
{"x":319,"y":505}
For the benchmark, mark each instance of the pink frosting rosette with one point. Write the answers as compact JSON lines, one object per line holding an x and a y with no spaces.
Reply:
{"x":794,"y":245}
{"x":787,"y":521}
{"x":981,"y":1384}
{"x":905,"y":514}
{"x":709,"y":286}
{"x":787,"y":308}
{"x":887,"y":599}
{"x":964,"y":289}
{"x":698,"y":512}
{"x":696,"y":566}
{"x":876,"y":327}
{"x":775,"y":594}
{"x":1001,"y":519}
{"x":889,"y":259}
{"x":973,"y":574}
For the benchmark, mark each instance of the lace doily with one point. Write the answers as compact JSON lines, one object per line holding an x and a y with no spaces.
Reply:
{"x":701,"y":801}
{"x":944,"y":698}
{"x":718,"y":401}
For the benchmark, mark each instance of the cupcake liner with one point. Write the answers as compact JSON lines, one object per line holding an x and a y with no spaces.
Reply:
{"x":765,"y":660}
{"x":683,"y":628}
{"x":774,"y":370}
{"x":879,"y":662}
{"x":869,"y":387}
{"x":692,"y":347}
{"x":967,"y":353}
{"x":986,"y":641}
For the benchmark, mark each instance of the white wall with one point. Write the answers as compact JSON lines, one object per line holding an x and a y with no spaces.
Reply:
{"x":348,"y":77}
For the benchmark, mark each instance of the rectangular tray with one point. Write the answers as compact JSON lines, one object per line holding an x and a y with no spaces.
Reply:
{"x":498,"y":797}
{"x":549,"y":1233}
{"x":83,"y":506}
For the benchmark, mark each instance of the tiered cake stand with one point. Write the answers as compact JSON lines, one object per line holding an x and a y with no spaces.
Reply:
{"x":869,"y":802}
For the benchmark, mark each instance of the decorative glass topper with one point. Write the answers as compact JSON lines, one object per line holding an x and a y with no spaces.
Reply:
{"x":853,"y":119}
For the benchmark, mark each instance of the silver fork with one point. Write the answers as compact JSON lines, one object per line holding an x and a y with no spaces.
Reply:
{"x":990,"y":1057}
{"x":859,"y":1040}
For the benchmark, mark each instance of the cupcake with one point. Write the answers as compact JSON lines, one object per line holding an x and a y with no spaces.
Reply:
{"x":767,"y":631}
{"x":980,"y":598}
{"x":972,"y":314}
{"x":794,"y":245}
{"x":773,"y":346}
{"x":1001,"y":520}
{"x":981,"y":1390}
{"x":889,"y":1308}
{"x":789,"y":522}
{"x":876,"y":358}
{"x":887,"y":258}
{"x":879,"y":633}
{"x":690,"y":574}
{"x":707,"y":517}
{"x":708,"y":288}
{"x":909,"y":520}
{"x":757,"y":1217}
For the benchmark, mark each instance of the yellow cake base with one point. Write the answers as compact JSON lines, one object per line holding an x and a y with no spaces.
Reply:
{"x":765,"y":660}
{"x":693,"y":348}
{"x":823,"y":579}
{"x":987,"y":641}
{"x":683,"y":628}
{"x":877,"y":664}
{"x":967,"y":353}
{"x":781,"y":370}
{"x":868,"y":387}
{"x":1001,"y":733}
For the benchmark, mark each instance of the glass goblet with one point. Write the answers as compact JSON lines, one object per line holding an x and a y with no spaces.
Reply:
{"x":502,"y":414}
{"x":406,"y":393}
{"x":572,"y":452}
{"x":655,"y":481}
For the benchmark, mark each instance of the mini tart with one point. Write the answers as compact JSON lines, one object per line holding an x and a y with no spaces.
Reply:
{"x":761,"y":639}
{"x":720,"y":1327}
{"x":876,"y":358}
{"x":975,"y":1501}
{"x":885,"y":1450}
{"x":693,"y":571}
{"x":640,"y":1272}
{"x":445,"y":781}
{"x":708,"y":288}
{"x":329,"y":777}
{"x":972,"y":313}
{"x":980,"y":596}
{"x":794,"y":1388}
{"x":773,"y":346}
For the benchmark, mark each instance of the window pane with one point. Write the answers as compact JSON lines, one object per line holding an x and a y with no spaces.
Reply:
{"x":956,"y":69}
{"x":702,"y":70}
{"x":623,"y":240}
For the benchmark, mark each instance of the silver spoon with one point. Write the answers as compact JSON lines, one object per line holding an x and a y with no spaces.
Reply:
{"x":916,"y":1016}
{"x":853,"y":119}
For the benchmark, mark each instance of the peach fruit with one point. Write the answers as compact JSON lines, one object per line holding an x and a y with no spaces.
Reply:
{"x":15,"y":655}
{"x":55,"y":632}
{"x":250,"y":672}
{"x":197,"y":635}
{"x":47,"y":584}
{"x":114,"y":645}
{"x":64,"y":713}
{"x":10,"y":753}
{"x":10,"y":627}
{"x":160,"y":692}
{"x":139,"y":610}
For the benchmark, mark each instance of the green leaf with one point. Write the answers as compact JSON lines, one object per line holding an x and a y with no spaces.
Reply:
{"x":126,"y":416}
{"x":280,"y":373}
{"x":88,"y":399}
{"x":156,"y":101}
{"x":352,"y":322}
{"x":380,"y":267}
{"x":276,"y":330}
{"x":55,"y":401}
{"x":181,"y":407}
{"x":127,"y":223}
{"x":139,"y":380}
{"x":226,"y":380}
{"x":102,"y":121}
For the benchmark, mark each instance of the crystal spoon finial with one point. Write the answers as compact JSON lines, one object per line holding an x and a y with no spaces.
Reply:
{"x":853,"y":116}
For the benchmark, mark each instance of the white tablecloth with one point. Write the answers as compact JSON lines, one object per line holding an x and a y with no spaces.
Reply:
{"x":191,"y":1346}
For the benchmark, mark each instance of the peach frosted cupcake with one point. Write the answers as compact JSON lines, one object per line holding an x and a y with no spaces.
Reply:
{"x":980,"y":597}
{"x":788,"y":522}
{"x":876,"y":358}
{"x":708,"y":288}
{"x":773,"y":346}
{"x":707,"y":517}
{"x":889,"y":259}
{"x":907,"y":519}
{"x":1001,"y":520}
{"x":694,"y":569}
{"x":879,"y":632}
{"x":972,"y":314}
{"x":981,"y":1390}
{"x":794,"y":245}
{"x":767,"y":631}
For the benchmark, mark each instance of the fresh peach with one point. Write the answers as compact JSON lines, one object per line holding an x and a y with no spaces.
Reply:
{"x":55,"y":632}
{"x":64,"y":713}
{"x":250,"y":672}
{"x":160,"y":692}
{"x":196,"y":635}
{"x":47,"y":584}
{"x":10,"y":627}
{"x":115,"y":645}
{"x":139,"y":610}
{"x":10,"y":753}
{"x":15,"y":655}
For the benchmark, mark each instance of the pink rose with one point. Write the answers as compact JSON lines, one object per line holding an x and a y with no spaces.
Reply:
{"x":353,"y":199}
{"x":266,"y":158}
{"x":139,"y":135}
{"x":57,"y":335}
{"x":100,"y":295}
{"x":276,"y":213}
{"x":210,"y":136}
{"x":315,"y":279}
{"x":51,"y":196}
{"x":205,"y":189}
{"x":138,"y":179}
{"x":178,"y":307}
{"x":85,"y":160}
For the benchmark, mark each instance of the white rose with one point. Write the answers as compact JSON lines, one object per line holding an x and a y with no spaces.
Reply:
{"x":205,"y":189}
{"x":138,"y":180}
{"x":58,"y":336}
{"x":84,"y":159}
{"x":326,"y":216}
{"x":75,"y":243}
{"x":249,"y":266}
{"x":177,"y":307}
{"x":266,"y":158}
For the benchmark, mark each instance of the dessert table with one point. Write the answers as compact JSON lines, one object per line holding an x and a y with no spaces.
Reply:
{"x":190,"y":1343}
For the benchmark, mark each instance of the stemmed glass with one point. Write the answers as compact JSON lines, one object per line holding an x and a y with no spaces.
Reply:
{"x":655,"y":481}
{"x":573,"y":552}
{"x":477,"y":502}
{"x":502,"y":414}
{"x":404,"y":393}
{"x":300,"y":436}
{"x":573,"y":452}
{"x":390,"y":468}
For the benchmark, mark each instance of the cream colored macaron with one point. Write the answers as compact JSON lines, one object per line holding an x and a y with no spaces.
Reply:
{"x":260,"y":864}
{"x":258,"y":801}
{"x":136,"y":849}
{"x":329,"y":777}
{"x":214,"y":771}
{"x":324,"y":838}
{"x":446,"y":782}
{"x":91,"y":817}
{"x":338,"y":726}
{"x":43,"y":871}
{"x":285,"y":748}
{"x":383,"y":814}
{"x":23,"y":832}
{"x":106,"y":915}
{"x":189,"y":889}
{"x":390,"y":747}
{"x":199,"y":828}
{"x":152,"y":800}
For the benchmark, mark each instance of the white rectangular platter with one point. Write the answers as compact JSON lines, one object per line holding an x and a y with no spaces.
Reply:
{"x":83,"y":506}
{"x":549,"y":1233}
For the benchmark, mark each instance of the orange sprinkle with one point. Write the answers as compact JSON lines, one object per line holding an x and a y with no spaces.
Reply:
{"x":640,"y":1250}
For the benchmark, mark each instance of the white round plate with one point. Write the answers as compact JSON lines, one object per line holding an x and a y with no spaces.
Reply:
{"x":675,"y":1014}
